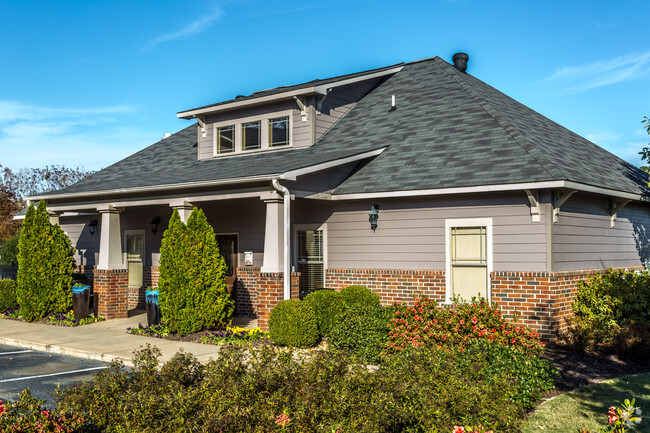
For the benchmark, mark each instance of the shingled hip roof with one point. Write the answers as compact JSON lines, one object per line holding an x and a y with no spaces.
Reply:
{"x":448,"y":130}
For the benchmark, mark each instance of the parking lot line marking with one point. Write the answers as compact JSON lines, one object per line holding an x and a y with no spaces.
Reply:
{"x":52,"y":374}
{"x":13,"y":353}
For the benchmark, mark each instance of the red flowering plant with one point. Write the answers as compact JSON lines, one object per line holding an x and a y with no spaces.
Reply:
{"x":619,"y":419}
{"x":28,"y":415}
{"x":426,"y":324}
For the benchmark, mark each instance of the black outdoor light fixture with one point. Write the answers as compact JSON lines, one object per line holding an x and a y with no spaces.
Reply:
{"x":92,"y":227}
{"x":373,"y":216}
{"x":154,"y":224}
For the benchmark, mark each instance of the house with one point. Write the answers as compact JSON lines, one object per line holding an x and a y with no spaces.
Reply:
{"x":471,"y":193}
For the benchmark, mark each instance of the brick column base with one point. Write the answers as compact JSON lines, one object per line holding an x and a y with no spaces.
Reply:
{"x":111,"y":293}
{"x":257,"y":293}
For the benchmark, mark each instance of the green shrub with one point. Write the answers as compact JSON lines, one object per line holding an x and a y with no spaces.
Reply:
{"x":192,"y":279}
{"x":45,"y":266}
{"x":327,"y":304}
{"x":293,"y":323}
{"x":425,"y":324}
{"x":361,"y":332}
{"x":7,"y":294}
{"x":246,"y":391}
{"x":29,"y":415}
{"x":611,"y":313}
{"x":9,"y":252}
{"x":359,"y":296}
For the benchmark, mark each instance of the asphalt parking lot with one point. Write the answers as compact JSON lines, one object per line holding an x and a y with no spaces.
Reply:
{"x":41,"y":372}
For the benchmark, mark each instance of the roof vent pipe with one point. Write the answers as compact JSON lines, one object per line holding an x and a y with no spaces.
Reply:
{"x":460,"y":61}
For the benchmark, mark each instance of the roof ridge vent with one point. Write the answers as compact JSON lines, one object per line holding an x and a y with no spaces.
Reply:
{"x":460,"y":61}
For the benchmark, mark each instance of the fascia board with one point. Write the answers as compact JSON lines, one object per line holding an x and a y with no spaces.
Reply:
{"x":155,"y":188}
{"x":492,"y":188}
{"x":321,"y":90}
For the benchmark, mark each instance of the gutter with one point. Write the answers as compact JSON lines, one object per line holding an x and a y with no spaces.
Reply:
{"x":287,"y":236}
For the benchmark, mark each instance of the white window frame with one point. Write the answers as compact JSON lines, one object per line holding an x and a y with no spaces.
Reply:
{"x":264,"y":133}
{"x":142,"y":232}
{"x":468,"y":222}
{"x":302,"y":227}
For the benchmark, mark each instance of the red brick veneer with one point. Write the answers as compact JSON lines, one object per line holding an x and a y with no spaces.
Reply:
{"x":391,"y":285}
{"x":257,"y":293}
{"x":110,"y":288}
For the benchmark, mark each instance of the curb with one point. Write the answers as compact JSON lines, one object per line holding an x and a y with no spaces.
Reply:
{"x":105,"y":357}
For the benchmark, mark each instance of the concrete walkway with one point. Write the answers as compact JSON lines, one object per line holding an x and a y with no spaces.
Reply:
{"x":102,"y":341}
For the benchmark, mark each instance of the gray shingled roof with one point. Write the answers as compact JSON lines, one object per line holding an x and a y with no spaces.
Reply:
{"x":449,"y":130}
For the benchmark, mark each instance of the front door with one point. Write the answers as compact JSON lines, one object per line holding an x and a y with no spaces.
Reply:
{"x":135,"y":256}
{"x":228,"y":249}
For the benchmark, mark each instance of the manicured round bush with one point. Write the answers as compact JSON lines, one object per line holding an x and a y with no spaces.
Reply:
{"x":360,"y":296}
{"x":327,"y":304}
{"x":293,"y":323}
{"x":361,"y":332}
{"x":7,"y":294}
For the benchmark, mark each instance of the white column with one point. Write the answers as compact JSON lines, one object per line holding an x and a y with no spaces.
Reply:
{"x":184,"y":210}
{"x":54,"y":218}
{"x":110,"y":240}
{"x":274,"y":236}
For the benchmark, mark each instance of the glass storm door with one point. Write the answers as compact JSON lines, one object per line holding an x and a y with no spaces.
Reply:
{"x":135,"y":258}
{"x":310,"y":260}
{"x":228,"y":250}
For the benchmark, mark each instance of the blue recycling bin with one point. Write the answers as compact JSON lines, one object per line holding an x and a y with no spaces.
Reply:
{"x":80,"y":301}
{"x":153,"y":308}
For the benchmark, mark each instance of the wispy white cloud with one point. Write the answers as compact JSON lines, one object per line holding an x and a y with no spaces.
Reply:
{"x":194,"y":28}
{"x":625,"y":146}
{"x":35,"y":136}
{"x":576,"y":79}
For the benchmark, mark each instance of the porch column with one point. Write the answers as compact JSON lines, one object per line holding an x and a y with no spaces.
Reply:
{"x":110,"y":279}
{"x":110,"y":240}
{"x":273,"y":237}
{"x":184,"y":209}
{"x":54,"y":217}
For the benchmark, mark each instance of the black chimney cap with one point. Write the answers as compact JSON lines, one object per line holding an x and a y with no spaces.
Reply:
{"x":460,"y":61}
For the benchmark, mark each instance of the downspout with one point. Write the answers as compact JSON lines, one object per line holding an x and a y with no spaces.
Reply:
{"x":287,"y":236}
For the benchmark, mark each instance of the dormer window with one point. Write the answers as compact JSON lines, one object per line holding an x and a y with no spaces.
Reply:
{"x":252,"y":134}
{"x":279,"y":131}
{"x":251,"y":137}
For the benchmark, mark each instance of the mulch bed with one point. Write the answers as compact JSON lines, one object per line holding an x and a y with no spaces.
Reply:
{"x":579,"y":368}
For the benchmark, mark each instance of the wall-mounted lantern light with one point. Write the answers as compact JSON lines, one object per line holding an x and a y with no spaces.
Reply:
{"x":92,"y":227}
{"x":373,"y":216}
{"x":154,"y":224}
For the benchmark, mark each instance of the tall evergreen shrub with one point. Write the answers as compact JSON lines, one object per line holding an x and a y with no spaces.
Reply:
{"x":45,"y":266}
{"x":192,"y":277}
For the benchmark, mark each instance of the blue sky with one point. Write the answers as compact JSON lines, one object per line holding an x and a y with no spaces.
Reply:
{"x":90,"y":82}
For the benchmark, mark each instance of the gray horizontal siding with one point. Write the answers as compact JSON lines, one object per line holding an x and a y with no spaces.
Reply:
{"x":412,"y":236}
{"x":583,"y":238}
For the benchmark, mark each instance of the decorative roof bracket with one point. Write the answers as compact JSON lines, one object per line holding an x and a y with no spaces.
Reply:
{"x":615,"y":207}
{"x":303,"y":107}
{"x":533,"y":198}
{"x":201,"y":121}
{"x":559,"y":199}
{"x":320,"y":99}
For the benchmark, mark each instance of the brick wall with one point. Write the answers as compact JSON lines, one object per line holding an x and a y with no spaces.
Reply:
{"x":257,"y":293}
{"x":110,"y":288}
{"x":540,"y":300}
{"x":391,"y":285}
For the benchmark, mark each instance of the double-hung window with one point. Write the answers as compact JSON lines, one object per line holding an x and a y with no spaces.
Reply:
{"x":469,"y":253}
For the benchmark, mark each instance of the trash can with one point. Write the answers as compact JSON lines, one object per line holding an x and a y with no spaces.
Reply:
{"x":153,"y":309}
{"x":80,"y":301}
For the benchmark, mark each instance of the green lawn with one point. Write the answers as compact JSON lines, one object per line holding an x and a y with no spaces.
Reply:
{"x":587,"y":406}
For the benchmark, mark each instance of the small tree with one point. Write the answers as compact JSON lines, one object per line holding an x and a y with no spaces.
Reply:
{"x":645,"y":152}
{"x":9,"y":252}
{"x":192,"y":277}
{"x":45,"y":266}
